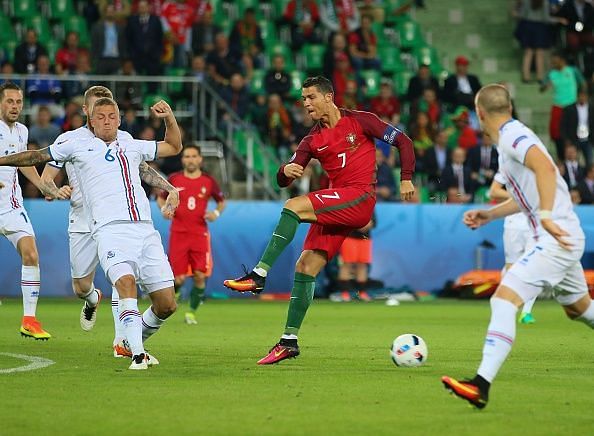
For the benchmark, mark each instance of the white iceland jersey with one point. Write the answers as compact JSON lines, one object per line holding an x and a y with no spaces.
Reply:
{"x":515,"y":139}
{"x":517,"y":221}
{"x":78,"y":221}
{"x":108,"y":177}
{"x":11,"y":141}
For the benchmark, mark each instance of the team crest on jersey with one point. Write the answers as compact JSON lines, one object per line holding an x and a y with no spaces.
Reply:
{"x":110,"y":254}
{"x":351,"y":139}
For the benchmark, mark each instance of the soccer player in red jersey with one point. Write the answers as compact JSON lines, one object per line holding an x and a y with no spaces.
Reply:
{"x":189,"y":240}
{"x":343,"y":141}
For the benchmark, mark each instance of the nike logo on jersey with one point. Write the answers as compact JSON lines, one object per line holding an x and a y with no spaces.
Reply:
{"x":181,"y":188}
{"x":323,"y":148}
{"x":61,"y":142}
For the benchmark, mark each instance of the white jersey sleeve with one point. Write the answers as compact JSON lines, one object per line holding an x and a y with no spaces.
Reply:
{"x":500,"y":178}
{"x":517,"y":145}
{"x":62,"y":151}
{"x":147,"y":149}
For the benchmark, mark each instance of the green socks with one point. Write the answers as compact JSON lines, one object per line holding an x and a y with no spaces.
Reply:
{"x":301,"y":297}
{"x":281,"y":237}
{"x":196,"y":296}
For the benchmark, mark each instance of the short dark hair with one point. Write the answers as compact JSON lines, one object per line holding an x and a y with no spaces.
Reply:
{"x":321,"y":83}
{"x":8,"y":85}
{"x":194,"y":146}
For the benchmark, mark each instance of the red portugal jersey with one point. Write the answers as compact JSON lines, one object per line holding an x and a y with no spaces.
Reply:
{"x":193,"y":200}
{"x":347,"y":151}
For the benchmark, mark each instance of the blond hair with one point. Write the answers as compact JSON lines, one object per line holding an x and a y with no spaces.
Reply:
{"x":97,"y":91}
{"x":494,"y":99}
{"x":104,"y":101}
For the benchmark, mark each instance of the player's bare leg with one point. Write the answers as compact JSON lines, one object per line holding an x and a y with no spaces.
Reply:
{"x":84,"y":288}
{"x":30,"y":284}
{"x":196,"y":296}
{"x":361,"y":276}
{"x":296,"y":210}
{"x":309,"y":264}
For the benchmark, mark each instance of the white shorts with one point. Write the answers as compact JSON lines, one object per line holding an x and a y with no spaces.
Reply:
{"x":547,"y":264}
{"x":83,"y":254}
{"x":16,"y":224}
{"x":138,"y":244}
{"x":514,"y":243}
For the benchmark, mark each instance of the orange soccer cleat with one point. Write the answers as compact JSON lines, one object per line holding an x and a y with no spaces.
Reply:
{"x":31,"y":328}
{"x":466,"y":390}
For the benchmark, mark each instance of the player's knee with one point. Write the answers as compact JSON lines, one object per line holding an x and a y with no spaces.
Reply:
{"x":30,"y":257}
{"x":199,"y":279}
{"x":165,"y":309}
{"x":304,"y":267}
{"x":126,"y":284}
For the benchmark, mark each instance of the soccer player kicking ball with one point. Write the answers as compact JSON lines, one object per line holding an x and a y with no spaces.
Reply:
{"x":343,"y":141}
{"x":189,"y":240}
{"x":83,"y":248}
{"x":128,"y":245}
{"x":14,"y":221}
{"x":552,"y":259}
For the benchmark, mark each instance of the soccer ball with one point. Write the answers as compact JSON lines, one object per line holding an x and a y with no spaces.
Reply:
{"x":409,"y":350}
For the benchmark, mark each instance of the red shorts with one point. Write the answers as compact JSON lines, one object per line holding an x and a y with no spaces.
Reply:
{"x":356,"y":250}
{"x":188,"y":253}
{"x":555,"y":122}
{"x":339,"y":211}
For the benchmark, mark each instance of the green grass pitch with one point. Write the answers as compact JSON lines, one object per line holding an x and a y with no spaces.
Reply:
{"x":343,"y":383}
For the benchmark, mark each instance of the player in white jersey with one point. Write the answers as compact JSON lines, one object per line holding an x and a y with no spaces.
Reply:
{"x":553,"y":255}
{"x":83,"y":249}
{"x":14,"y":221}
{"x":516,"y":235}
{"x":129,"y":247}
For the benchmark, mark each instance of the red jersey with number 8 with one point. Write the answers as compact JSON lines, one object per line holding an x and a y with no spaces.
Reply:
{"x":193,"y":201}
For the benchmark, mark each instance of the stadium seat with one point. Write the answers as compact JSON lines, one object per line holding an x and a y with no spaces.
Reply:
{"x":242,"y":5}
{"x":52,"y":47}
{"x":257,"y":82}
{"x":297,"y":78}
{"x":390,"y":59}
{"x":78,"y":24}
{"x":401,"y":79}
{"x":284,"y":51}
{"x":278,"y":8}
{"x":8,"y":48}
{"x":7,"y":32}
{"x":151,"y":99}
{"x":372,"y":82}
{"x":23,"y":9}
{"x":426,"y":55}
{"x":378,"y":30}
{"x":268,"y":30}
{"x":409,"y":35}
{"x":60,"y":9}
{"x":176,"y":88}
{"x":41,"y":26}
{"x":313,"y":56}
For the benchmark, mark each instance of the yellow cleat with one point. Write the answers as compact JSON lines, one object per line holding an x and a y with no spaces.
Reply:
{"x":31,"y":328}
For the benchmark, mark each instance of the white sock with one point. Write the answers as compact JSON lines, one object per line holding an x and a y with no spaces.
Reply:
{"x":588,"y":316}
{"x":260,"y":271}
{"x":528,"y":305}
{"x":151,"y":323}
{"x":117,"y":325}
{"x":500,"y":337}
{"x":30,"y":282}
{"x":91,"y":297}
{"x":285,"y":336}
{"x":131,"y":324}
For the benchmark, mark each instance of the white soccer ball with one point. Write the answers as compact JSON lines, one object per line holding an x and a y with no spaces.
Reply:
{"x":409,"y":350}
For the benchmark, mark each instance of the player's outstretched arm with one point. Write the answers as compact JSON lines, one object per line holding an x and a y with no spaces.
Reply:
{"x":497,"y":192}
{"x":152,"y":177}
{"x":172,"y":143}
{"x":28,"y":158}
{"x":48,"y":187}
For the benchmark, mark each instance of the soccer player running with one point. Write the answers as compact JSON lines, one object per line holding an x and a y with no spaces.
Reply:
{"x":82,"y":246}
{"x":552,"y":259}
{"x":516,"y":235}
{"x":343,"y":141}
{"x":189,"y":240}
{"x":119,"y":213}
{"x":14,"y":221}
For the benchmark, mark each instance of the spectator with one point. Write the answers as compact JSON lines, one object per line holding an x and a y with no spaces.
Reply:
{"x":575,"y":196}
{"x":460,"y":88}
{"x":578,"y":18}
{"x":340,"y":15}
{"x":147,"y":133}
{"x":422,"y":132}
{"x":303,"y":17}
{"x":363,"y":46}
{"x":246,"y":41}
{"x":259,"y":113}
{"x":67,"y":56}
{"x":340,"y":77}
{"x":456,"y":180}
{"x":577,"y":125}
{"x":128,"y":94}
{"x":198,"y":72}
{"x":463,"y":135}
{"x":144,"y":35}
{"x":279,"y":125}
{"x":570,"y":169}
{"x":43,"y":132}
{"x":385,"y":187}
{"x":338,"y":47}
{"x":430,"y":105}
{"x":534,"y":34}
{"x":130,"y":123}
{"x":565,"y":81}
{"x":108,"y":43}
{"x":277,"y":80}
{"x":420,"y":82}
{"x":386,"y":104}
{"x":436,"y":159}
{"x":483,"y":162}
{"x":121,"y":9}
{"x":221,"y":63}
{"x":73,"y":88}
{"x":71,"y":108}
{"x":46,"y":90}
{"x":586,"y":187}
{"x":26,"y":53}
{"x":236,"y":96}
{"x":77,"y":120}
{"x":177,"y":17}
{"x":352,"y":98}
{"x":204,"y":32}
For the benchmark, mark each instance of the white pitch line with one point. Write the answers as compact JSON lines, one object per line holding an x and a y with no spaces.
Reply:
{"x":36,"y":363}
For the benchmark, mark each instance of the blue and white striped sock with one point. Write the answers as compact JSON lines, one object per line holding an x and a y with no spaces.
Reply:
{"x":151,"y":323}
